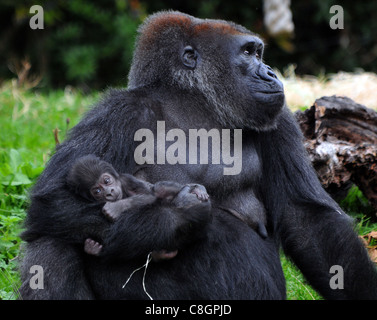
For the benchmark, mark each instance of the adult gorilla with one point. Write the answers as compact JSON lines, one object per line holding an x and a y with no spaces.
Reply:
{"x":193,"y":74}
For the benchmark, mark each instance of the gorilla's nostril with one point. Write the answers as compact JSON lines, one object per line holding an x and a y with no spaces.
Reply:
{"x":271,"y":74}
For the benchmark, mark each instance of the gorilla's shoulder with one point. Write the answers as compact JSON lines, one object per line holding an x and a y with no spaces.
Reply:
{"x":121,"y":103}
{"x":125,"y":97}
{"x":118,"y":94}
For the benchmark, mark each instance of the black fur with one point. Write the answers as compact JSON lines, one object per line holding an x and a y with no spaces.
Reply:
{"x":220,"y":89}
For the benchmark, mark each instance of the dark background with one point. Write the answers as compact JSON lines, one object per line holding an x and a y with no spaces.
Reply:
{"x":89,"y":44}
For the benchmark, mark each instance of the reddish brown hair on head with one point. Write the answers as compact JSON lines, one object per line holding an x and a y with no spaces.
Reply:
{"x":218,"y":27}
{"x":156,"y":24}
{"x":160,"y":22}
{"x":161,"y":38}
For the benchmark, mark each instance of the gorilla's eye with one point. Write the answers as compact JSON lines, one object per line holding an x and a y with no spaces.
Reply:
{"x":97,"y":191}
{"x":107,"y":179}
{"x":249,"y":53}
{"x":253,"y":48}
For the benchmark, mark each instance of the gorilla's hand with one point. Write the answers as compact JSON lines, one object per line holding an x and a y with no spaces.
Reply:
{"x":112,"y":210}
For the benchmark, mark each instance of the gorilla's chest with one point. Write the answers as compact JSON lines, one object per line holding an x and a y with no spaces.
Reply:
{"x":222,"y":165}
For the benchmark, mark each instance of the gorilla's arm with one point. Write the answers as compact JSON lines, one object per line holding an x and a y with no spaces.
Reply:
{"x":62,"y":270}
{"x":314,"y":231}
{"x":59,"y":220}
{"x":54,"y":210}
{"x":157,"y":226}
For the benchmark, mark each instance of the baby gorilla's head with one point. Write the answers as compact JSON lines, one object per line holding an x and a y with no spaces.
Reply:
{"x":95,"y":179}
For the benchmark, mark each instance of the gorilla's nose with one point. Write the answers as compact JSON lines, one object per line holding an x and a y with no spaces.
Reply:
{"x":267,"y":73}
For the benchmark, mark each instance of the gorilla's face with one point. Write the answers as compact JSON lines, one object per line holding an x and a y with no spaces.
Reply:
{"x":240,"y":88}
{"x":258,"y":77}
{"x":261,"y":92}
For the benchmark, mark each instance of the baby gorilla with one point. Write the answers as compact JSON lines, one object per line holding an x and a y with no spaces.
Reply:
{"x":97,"y":180}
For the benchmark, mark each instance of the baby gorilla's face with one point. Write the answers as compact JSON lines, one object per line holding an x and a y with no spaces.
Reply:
{"x":107,"y":188}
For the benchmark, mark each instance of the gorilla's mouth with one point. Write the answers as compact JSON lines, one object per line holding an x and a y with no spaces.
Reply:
{"x":273,"y":89}
{"x":113,"y":197}
{"x":271,"y":97}
{"x":274,"y":93}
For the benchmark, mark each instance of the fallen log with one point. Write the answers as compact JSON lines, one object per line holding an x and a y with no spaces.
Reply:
{"x":341,"y":138}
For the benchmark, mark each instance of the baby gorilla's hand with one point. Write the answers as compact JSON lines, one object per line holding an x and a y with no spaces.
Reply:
{"x":200,"y":192}
{"x":112,"y":210}
{"x":92,"y":247}
{"x":192,"y":195}
{"x":161,"y":255}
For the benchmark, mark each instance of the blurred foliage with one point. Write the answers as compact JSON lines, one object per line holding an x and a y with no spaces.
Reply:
{"x":356,"y":204}
{"x":90,"y":43}
{"x":86,"y":43}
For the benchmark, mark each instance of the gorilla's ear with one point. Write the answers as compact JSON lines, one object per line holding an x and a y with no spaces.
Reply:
{"x":189,"y":57}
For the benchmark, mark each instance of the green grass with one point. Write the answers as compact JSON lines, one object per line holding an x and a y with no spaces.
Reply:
{"x":27,"y":121}
{"x":297,"y":286}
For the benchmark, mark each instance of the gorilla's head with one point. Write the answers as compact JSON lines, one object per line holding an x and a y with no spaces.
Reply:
{"x":220,"y":60}
{"x":85,"y":173}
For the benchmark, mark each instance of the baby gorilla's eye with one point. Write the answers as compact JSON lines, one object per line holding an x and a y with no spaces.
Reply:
{"x":107,"y":180}
{"x":97,"y":191}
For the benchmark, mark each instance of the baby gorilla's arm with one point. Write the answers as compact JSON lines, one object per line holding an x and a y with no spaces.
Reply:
{"x":113,"y":209}
{"x":182,"y":213}
{"x":169,"y":190}
{"x":191,"y":195}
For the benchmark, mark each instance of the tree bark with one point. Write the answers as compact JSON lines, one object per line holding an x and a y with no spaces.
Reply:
{"x":341,"y":138}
